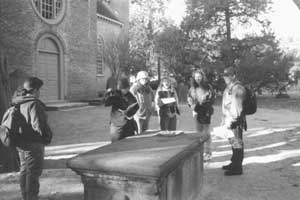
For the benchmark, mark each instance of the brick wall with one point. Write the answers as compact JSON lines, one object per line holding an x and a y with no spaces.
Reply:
{"x":20,"y":28}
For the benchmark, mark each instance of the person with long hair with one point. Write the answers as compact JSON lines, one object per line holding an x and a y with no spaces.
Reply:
{"x":166,"y":111}
{"x":201,"y":97}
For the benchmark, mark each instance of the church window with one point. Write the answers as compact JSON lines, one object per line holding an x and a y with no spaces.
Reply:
{"x":50,"y":10}
{"x":99,"y":58}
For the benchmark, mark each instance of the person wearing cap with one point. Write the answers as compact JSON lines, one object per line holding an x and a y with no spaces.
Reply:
{"x":35,"y":134}
{"x":144,"y":94}
{"x":233,"y":119}
{"x":124,"y":106}
{"x":200,"y":98}
{"x":166,"y":111}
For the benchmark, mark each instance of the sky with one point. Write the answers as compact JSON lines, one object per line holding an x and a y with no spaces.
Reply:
{"x":285,"y":17}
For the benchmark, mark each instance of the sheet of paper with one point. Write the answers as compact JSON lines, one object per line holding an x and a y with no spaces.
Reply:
{"x":168,"y":100}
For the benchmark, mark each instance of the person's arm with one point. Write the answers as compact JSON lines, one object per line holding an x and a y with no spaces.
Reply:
{"x":157,"y":101}
{"x":236,"y":107}
{"x":39,"y":122}
{"x":132,"y":108}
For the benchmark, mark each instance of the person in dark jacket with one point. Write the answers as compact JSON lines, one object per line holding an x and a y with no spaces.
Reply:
{"x":35,"y":133}
{"x":201,"y":97}
{"x":234,"y":119}
{"x":124,"y":106}
{"x":166,"y":111}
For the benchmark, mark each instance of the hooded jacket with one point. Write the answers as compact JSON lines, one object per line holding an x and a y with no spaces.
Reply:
{"x":36,"y":128}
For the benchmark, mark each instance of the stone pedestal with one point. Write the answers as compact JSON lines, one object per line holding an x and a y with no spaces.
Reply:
{"x":143,"y":168}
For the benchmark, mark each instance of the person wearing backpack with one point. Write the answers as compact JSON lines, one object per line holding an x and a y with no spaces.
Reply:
{"x":234,"y":119}
{"x":34,"y":135}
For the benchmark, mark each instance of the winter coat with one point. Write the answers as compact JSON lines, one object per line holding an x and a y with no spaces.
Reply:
{"x":123,"y":109}
{"x":36,"y":129}
{"x":169,"y":110}
{"x":145,"y":97}
{"x":201,"y":98}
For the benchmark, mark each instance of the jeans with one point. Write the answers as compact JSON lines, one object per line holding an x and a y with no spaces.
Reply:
{"x":204,"y":129}
{"x":31,"y":158}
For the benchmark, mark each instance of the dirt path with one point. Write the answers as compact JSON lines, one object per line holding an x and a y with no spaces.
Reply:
{"x":272,"y":158}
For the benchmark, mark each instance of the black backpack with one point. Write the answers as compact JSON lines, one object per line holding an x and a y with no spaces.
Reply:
{"x":11,"y":124}
{"x":250,"y":102}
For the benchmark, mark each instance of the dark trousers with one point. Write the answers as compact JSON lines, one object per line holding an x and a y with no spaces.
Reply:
{"x":32,"y":159}
{"x":237,"y":146}
{"x":168,"y":123}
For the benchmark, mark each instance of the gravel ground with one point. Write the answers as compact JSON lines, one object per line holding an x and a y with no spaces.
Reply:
{"x":271,"y":165}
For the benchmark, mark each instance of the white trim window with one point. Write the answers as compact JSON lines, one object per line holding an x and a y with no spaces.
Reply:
{"x":99,"y":58}
{"x":49,"y":10}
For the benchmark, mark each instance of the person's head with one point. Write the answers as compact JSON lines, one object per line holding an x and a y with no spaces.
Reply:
{"x":142,"y":77}
{"x":165,"y":83}
{"x":123,"y":85}
{"x":229,"y":75}
{"x":199,"y":76}
{"x":32,"y":86}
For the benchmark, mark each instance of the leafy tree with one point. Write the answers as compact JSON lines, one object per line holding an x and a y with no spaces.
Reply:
{"x":213,"y":21}
{"x":261,"y":63}
{"x":146,"y":20}
{"x":115,"y":54}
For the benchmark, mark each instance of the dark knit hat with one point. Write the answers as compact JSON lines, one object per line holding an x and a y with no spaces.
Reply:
{"x":123,"y":83}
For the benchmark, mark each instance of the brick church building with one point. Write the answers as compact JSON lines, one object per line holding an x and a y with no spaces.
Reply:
{"x":61,"y":41}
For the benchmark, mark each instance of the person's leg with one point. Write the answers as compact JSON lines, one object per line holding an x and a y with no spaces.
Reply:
{"x":172,"y":123}
{"x":164,"y":121}
{"x":145,"y":124}
{"x":35,"y":167}
{"x":23,"y":170}
{"x":207,"y":144}
{"x":237,"y":155}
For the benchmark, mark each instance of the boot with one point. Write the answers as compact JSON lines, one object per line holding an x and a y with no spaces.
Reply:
{"x":227,"y":167}
{"x":233,"y":157}
{"x":236,"y":165}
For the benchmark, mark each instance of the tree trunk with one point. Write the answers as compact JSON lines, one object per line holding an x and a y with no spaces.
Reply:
{"x":9,"y":160}
{"x":228,"y":36}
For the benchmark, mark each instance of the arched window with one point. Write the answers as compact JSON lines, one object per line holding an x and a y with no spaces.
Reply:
{"x":100,"y":49}
{"x":49,"y":10}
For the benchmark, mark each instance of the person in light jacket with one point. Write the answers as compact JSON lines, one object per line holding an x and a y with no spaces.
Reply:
{"x":201,"y":97}
{"x":145,"y":96}
{"x":234,"y":119}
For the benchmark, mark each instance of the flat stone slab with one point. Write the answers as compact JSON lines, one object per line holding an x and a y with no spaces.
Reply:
{"x":144,"y":156}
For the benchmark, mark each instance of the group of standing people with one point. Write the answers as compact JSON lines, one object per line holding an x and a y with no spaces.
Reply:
{"x":132,"y":107}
